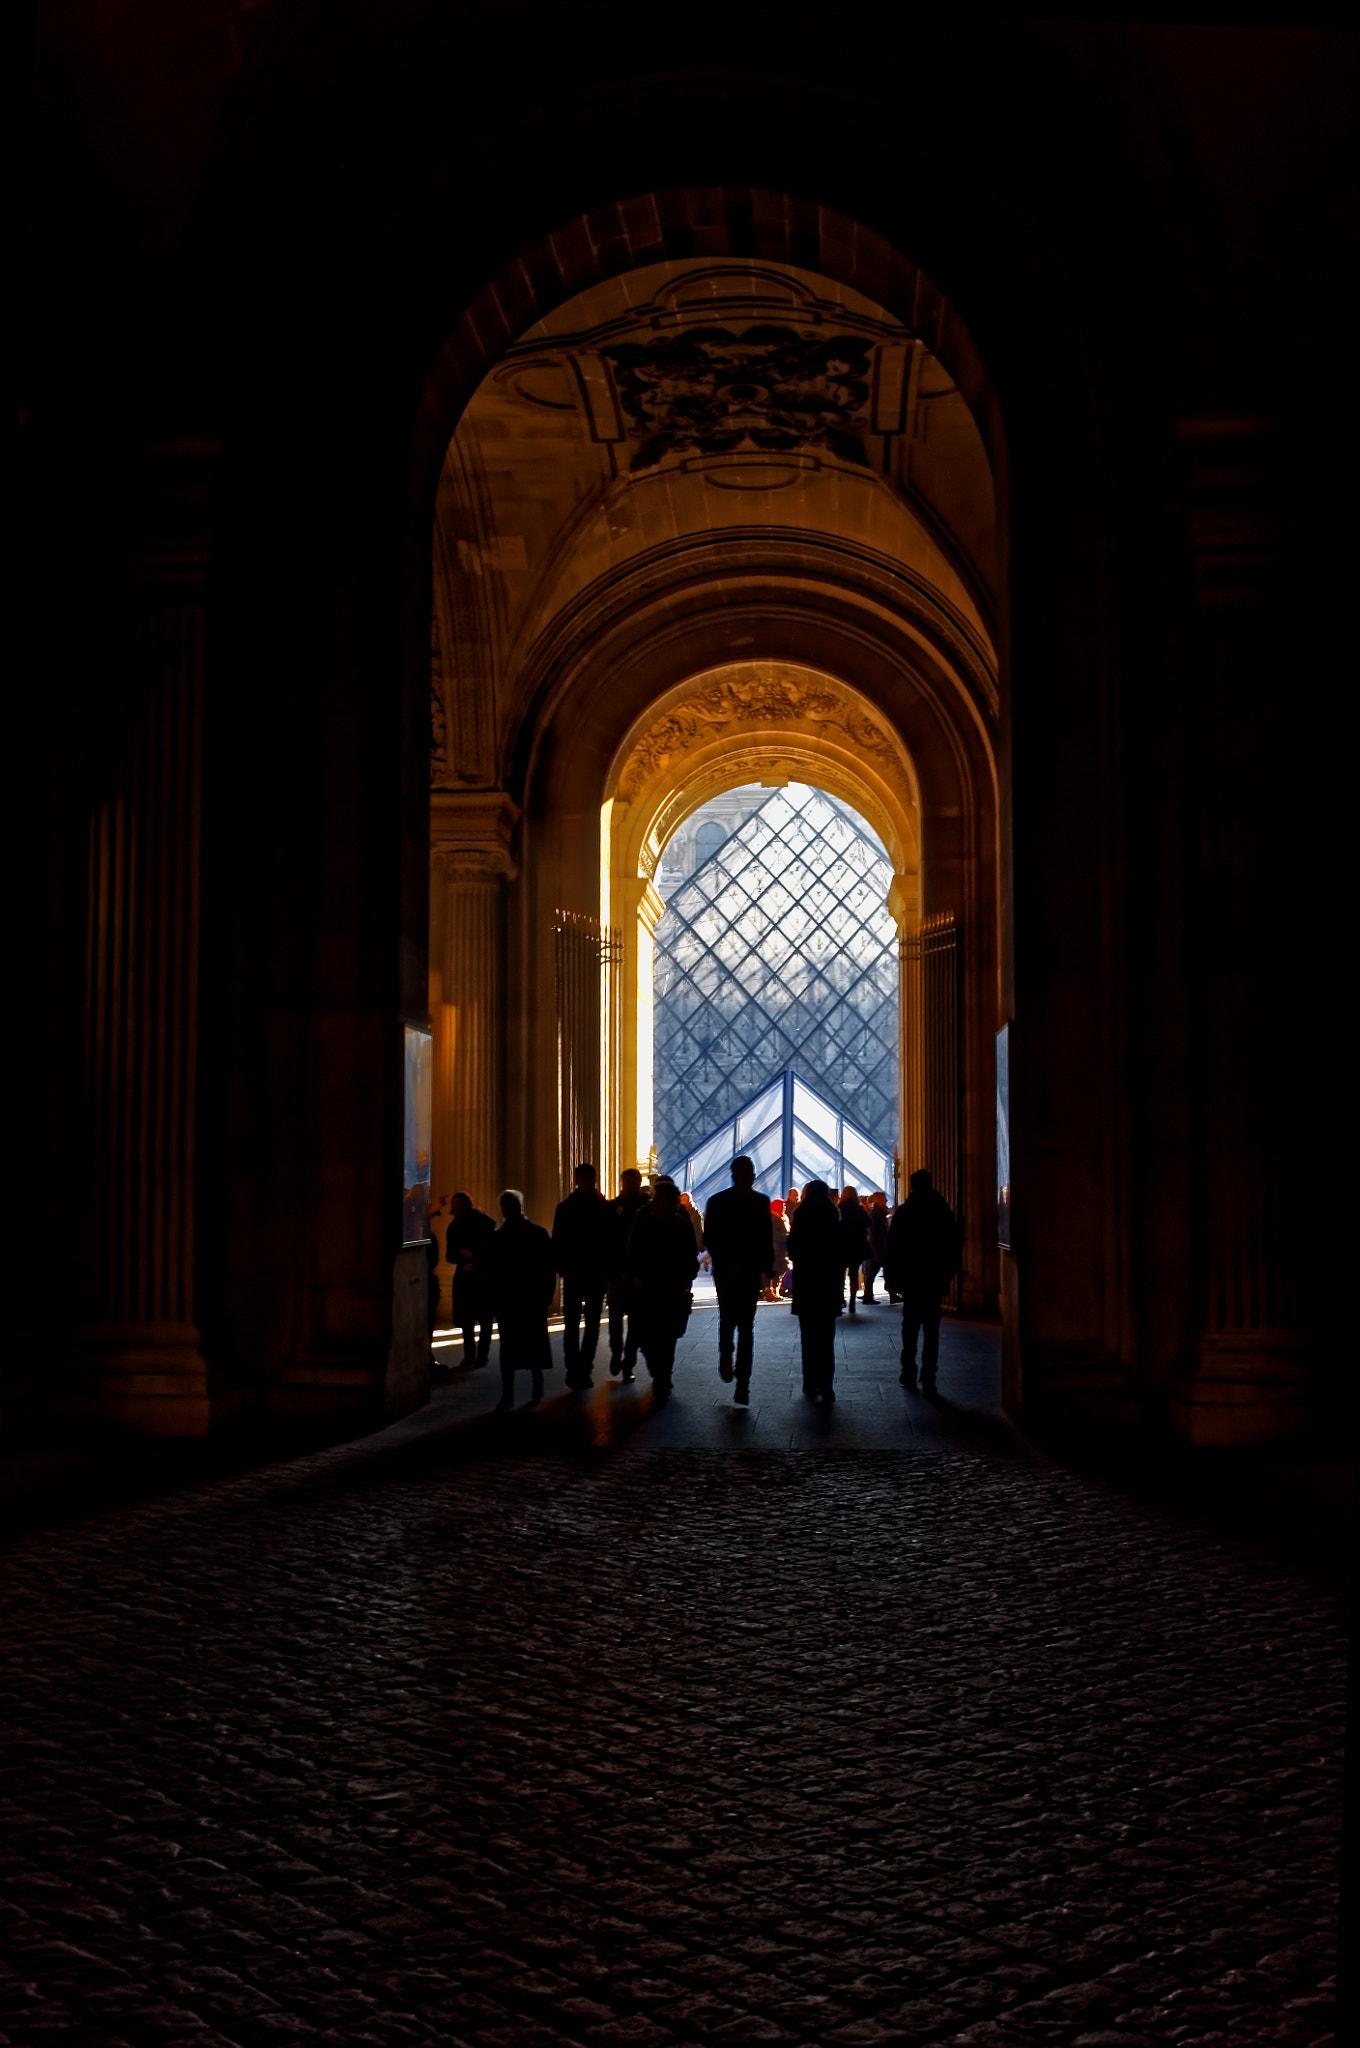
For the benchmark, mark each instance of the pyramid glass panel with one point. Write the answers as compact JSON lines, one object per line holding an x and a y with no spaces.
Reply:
{"x":778,"y":954}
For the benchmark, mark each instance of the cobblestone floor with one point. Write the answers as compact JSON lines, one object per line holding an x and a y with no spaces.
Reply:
{"x":557,"y":1733}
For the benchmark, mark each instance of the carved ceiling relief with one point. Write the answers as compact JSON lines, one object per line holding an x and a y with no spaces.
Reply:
{"x":713,"y":390}
{"x":761,"y":697}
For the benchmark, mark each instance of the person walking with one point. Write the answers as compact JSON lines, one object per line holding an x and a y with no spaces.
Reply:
{"x":624,"y":1211}
{"x":662,"y":1262}
{"x":696,"y":1221}
{"x":816,"y":1253}
{"x":581,"y":1233}
{"x":523,"y":1276}
{"x":779,"y":1230}
{"x":854,"y":1239}
{"x":468,"y":1249}
{"x":877,"y":1214}
{"x":740,"y":1243}
{"x":923,"y":1257}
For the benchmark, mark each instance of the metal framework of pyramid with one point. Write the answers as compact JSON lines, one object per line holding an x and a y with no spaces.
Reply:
{"x":778,"y":956}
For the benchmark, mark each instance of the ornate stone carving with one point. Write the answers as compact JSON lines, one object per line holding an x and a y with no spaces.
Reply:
{"x":439,"y":723}
{"x":471,"y":832}
{"x":714,"y":390}
{"x":760,"y":696}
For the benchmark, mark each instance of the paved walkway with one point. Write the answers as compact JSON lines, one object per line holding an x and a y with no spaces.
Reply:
{"x":599,"y":1727}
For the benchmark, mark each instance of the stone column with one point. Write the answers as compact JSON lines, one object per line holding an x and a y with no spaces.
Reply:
{"x":470,"y":839}
{"x":135,"y":1356}
{"x":1252,"y":1367}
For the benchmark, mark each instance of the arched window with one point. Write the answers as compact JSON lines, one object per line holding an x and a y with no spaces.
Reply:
{"x":707,"y":840}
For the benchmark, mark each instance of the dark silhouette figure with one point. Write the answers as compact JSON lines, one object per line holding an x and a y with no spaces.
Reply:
{"x":817,"y":1251}
{"x":468,"y":1246}
{"x":581,"y":1237}
{"x":854,"y":1240}
{"x":624,"y":1210}
{"x":523,"y":1282}
{"x":739,"y":1239}
{"x":923,"y":1257}
{"x":662,"y":1262}
{"x":876,"y":1211}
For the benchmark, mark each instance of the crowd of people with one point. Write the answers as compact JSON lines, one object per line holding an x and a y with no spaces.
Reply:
{"x":630,"y":1265}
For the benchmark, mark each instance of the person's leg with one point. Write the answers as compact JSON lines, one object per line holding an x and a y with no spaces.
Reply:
{"x":911,"y":1328}
{"x":930,"y":1349}
{"x":592,"y":1302}
{"x":483,"y":1323}
{"x":746,"y":1335}
{"x":851,"y":1281}
{"x":809,"y":1338}
{"x":571,"y":1325}
{"x":615,"y":1295}
{"x":542,"y":1357}
{"x":727,"y":1323}
{"x":661,"y":1364}
{"x":828,"y":1358}
{"x":870,"y":1272}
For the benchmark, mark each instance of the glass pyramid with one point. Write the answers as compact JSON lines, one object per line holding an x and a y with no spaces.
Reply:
{"x":778,"y":954}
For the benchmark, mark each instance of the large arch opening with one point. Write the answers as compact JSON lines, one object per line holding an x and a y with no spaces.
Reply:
{"x":701,"y":525}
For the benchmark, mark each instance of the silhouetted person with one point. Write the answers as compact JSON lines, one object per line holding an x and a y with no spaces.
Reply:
{"x":662,"y":1262}
{"x":876,"y":1210}
{"x":468,"y":1246}
{"x":740,"y":1243}
{"x":854,"y":1239}
{"x":779,"y":1231}
{"x":816,"y":1249}
{"x":582,"y":1229}
{"x":624,"y":1210}
{"x":923,"y":1256}
{"x":523,"y":1282}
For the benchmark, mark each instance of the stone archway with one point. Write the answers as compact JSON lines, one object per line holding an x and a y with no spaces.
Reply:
{"x":752,"y":721}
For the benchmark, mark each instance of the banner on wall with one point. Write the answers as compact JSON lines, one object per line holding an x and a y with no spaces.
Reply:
{"x":415,"y":1195}
{"x":1003,"y":1137}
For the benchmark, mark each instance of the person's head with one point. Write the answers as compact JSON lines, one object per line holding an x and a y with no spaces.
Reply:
{"x":776,"y":1207}
{"x":685,"y":1202}
{"x":460,"y":1208}
{"x":921,"y":1181}
{"x":665,"y":1196}
{"x":743,"y":1172}
{"x":878,"y":1199}
{"x":791,"y":1199}
{"x":817,"y":1194}
{"x":585,"y":1175}
{"x":512,"y":1204}
{"x":630,"y":1180}
{"x":849,"y":1195}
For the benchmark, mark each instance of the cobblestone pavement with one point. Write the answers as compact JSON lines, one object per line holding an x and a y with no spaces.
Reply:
{"x":499,"y":1739}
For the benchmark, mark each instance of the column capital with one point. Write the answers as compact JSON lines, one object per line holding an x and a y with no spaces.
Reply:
{"x":471,"y":831}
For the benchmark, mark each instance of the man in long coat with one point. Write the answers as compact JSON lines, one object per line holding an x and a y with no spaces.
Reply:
{"x":923,"y":1257}
{"x":468,"y":1245}
{"x":582,"y":1234}
{"x":523,"y":1282}
{"x":739,"y":1239}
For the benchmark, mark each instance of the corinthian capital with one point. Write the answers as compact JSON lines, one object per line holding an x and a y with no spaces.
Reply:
{"x":471,"y":831}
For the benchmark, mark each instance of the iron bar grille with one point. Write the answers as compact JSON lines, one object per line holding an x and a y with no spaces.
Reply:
{"x":579,"y":959}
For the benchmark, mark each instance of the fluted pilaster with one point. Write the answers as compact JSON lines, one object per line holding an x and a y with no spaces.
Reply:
{"x":471,"y":837}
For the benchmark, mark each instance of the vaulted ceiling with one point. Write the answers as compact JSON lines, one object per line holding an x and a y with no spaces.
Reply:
{"x":727,"y":404}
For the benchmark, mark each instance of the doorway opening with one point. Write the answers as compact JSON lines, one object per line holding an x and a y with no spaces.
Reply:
{"x":776,"y":1007}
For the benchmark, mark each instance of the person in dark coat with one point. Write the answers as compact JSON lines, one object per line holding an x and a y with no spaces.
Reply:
{"x":582,"y":1231}
{"x":923,"y":1257}
{"x":523,"y":1282}
{"x":624,"y":1210}
{"x":468,"y":1246}
{"x":816,"y":1250}
{"x":876,"y":1210}
{"x":854,"y":1239}
{"x":662,"y":1262}
{"x":740,"y":1243}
